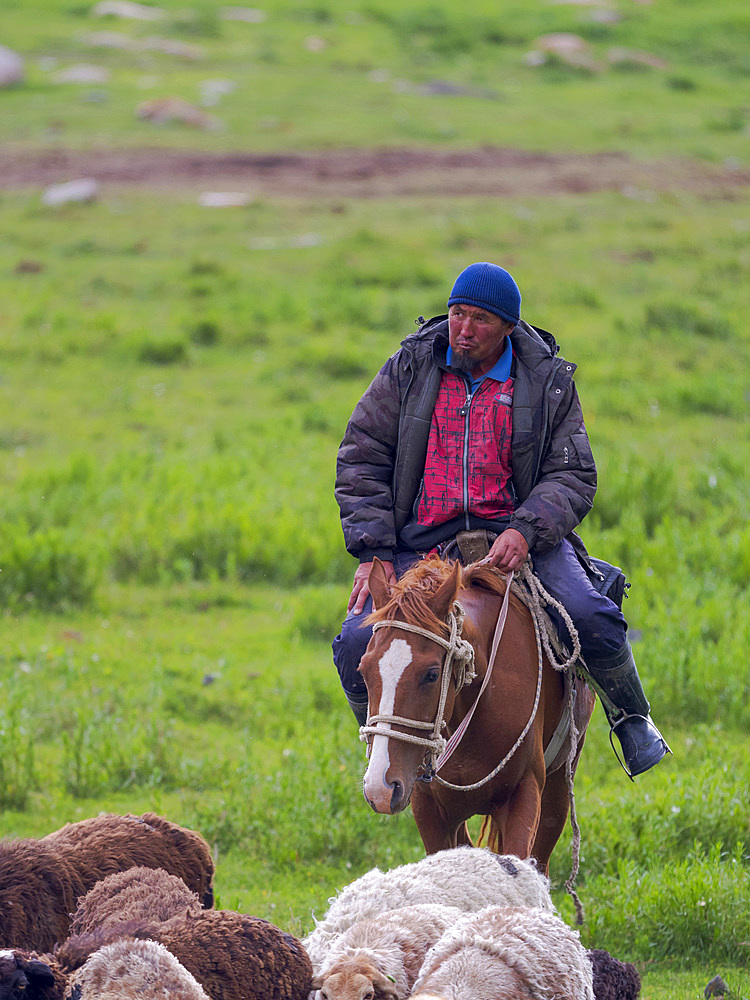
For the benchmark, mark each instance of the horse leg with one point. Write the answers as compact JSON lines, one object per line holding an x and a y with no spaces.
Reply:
{"x":554,"y":815}
{"x":514,"y":824}
{"x":434,"y":827}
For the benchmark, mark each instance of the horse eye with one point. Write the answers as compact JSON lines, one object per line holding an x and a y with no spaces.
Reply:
{"x":431,"y":675}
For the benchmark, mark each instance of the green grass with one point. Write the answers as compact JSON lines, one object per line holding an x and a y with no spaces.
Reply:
{"x":333,"y":74}
{"x":175,"y":381}
{"x":172,"y":569}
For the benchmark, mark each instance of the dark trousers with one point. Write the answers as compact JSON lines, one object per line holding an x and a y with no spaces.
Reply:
{"x":602,"y":629}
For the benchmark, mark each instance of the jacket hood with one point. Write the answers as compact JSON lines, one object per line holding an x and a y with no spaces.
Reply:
{"x":533,"y":345}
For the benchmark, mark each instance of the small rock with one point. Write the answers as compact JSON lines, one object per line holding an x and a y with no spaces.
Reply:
{"x":534,"y":58}
{"x":173,"y":109}
{"x":605,"y":16}
{"x":127,"y":9}
{"x":82,"y":73}
{"x":173,"y":48}
{"x":568,"y":48}
{"x":314,"y":43}
{"x":11,"y":67}
{"x":251,"y":15}
{"x":108,"y":40}
{"x":213,"y":90}
{"x":83,"y":189}
{"x":224,"y":199}
{"x":634,"y":57}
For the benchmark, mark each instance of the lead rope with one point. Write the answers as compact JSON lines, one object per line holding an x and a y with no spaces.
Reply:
{"x":534,"y":596}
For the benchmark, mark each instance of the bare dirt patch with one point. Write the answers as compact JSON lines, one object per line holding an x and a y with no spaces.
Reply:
{"x":373,"y":173}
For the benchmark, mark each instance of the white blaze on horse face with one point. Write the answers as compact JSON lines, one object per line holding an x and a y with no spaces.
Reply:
{"x":392,"y":665}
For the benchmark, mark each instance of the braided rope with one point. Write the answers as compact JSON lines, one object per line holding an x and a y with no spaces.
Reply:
{"x":534,"y":595}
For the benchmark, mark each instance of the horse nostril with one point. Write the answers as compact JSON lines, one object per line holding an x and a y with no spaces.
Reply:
{"x":397,"y":795}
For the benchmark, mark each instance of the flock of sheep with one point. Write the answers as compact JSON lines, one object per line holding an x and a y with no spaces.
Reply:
{"x":120,"y":907}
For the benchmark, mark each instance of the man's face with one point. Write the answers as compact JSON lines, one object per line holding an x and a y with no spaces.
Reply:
{"x":477,"y":338}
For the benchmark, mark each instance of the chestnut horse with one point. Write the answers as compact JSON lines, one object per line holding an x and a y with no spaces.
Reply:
{"x":440,"y":615}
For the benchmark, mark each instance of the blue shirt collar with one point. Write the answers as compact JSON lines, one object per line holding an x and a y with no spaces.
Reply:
{"x":500,"y":371}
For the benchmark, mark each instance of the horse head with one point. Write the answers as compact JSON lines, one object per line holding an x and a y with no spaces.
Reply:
{"x":403,"y":671}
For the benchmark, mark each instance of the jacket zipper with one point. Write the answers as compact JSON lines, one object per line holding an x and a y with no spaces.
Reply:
{"x":465,"y":413}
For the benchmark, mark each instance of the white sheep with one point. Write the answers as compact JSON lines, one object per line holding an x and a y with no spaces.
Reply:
{"x":506,"y":953}
{"x":469,"y":878}
{"x":381,"y":957}
{"x":133,"y":970}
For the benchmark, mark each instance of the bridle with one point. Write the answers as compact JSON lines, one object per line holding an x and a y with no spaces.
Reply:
{"x":458,"y":659}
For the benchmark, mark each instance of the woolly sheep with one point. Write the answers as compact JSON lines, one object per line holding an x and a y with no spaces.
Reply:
{"x":142,"y":894}
{"x":133,"y":970}
{"x":613,"y":979}
{"x":41,"y":880}
{"x":382,"y":957}
{"x":469,"y":878}
{"x":238,"y":957}
{"x":506,"y":953}
{"x":233,"y":956}
{"x":26,"y":975}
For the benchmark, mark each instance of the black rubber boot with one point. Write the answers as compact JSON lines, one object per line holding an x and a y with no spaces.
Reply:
{"x":619,"y":687}
{"x":360,"y":710}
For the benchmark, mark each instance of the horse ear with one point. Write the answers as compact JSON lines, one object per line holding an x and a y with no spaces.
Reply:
{"x":378,"y":584}
{"x":445,"y":595}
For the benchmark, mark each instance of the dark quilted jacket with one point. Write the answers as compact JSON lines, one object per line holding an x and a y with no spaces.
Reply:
{"x":381,"y":458}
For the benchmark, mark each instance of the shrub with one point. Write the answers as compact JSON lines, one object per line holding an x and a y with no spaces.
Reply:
{"x":163,"y":352}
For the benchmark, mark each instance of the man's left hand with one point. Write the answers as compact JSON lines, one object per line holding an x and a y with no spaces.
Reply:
{"x":509,"y":551}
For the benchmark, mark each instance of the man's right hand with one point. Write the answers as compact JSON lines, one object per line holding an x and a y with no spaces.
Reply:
{"x":361,"y":587}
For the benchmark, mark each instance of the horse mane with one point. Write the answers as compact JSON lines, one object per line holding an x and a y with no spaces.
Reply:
{"x":413,"y":594}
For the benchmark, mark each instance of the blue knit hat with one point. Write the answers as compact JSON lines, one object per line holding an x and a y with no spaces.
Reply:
{"x":489,"y":287}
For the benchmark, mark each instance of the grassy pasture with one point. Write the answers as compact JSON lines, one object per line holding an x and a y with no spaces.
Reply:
{"x":171,"y":563}
{"x":334,"y":73}
{"x":175,"y":381}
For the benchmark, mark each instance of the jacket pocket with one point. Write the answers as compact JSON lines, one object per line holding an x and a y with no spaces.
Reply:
{"x":580,"y":443}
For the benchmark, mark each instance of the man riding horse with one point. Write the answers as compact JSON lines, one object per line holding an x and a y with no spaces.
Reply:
{"x":470,"y":441}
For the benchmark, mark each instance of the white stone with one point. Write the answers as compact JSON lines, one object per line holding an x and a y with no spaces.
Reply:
{"x":82,"y":73}
{"x":108,"y":40}
{"x":251,"y":15}
{"x":82,"y":189}
{"x":213,"y":90}
{"x":314,"y":43}
{"x":127,"y":9}
{"x":224,"y":199}
{"x":11,"y":67}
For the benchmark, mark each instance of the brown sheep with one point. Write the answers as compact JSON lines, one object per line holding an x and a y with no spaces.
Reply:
{"x":238,"y":957}
{"x":148,"y":895}
{"x":233,"y":956}
{"x":41,"y":880}
{"x":613,"y":979}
